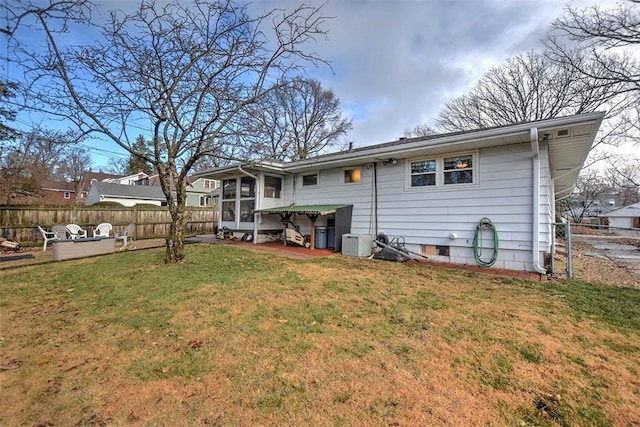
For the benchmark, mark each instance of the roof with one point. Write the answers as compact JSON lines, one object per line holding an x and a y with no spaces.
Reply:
{"x":630,"y":211}
{"x":128,"y":191}
{"x":569,"y":140}
{"x":58,"y":186}
{"x":303,"y":209}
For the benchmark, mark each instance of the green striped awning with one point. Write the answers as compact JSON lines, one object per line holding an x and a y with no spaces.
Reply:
{"x":303,"y":209}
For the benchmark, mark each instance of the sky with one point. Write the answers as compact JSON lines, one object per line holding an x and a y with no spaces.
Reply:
{"x":395,"y":63}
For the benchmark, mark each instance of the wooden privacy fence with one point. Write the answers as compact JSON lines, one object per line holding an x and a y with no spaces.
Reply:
{"x":19,"y":223}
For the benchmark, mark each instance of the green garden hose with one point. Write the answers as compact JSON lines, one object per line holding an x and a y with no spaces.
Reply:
{"x":485,"y":224}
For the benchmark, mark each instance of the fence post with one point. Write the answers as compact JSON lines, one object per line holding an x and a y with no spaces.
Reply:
{"x":569,"y":251}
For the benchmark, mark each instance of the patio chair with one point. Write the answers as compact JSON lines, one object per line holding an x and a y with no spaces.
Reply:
{"x":75,"y":231}
{"x":47,"y":235}
{"x":127,"y":234}
{"x":60,"y":230}
{"x":102,"y":230}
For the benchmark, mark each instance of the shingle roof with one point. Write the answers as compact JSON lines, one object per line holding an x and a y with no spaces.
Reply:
{"x":129,"y":191}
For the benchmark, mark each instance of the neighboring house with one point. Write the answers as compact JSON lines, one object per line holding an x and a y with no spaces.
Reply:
{"x":139,"y":178}
{"x":127,"y":195}
{"x":61,"y":192}
{"x":627,"y":217}
{"x":431,"y":191}
{"x":201,"y":192}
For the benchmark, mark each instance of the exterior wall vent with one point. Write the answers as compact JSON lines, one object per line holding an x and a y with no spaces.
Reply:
{"x":563,"y":133}
{"x":356,"y":245}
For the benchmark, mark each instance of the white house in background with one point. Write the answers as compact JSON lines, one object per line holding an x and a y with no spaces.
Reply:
{"x":139,"y":178}
{"x":432,"y":191}
{"x":127,"y":195}
{"x":627,"y":217}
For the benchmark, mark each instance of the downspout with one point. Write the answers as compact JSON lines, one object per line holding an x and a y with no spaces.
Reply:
{"x":255,"y":223}
{"x":535,"y":149}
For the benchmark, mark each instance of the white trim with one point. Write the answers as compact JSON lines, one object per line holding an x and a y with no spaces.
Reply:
{"x":440,"y":185}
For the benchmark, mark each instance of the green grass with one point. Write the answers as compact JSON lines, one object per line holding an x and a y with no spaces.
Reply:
{"x":234,"y":337}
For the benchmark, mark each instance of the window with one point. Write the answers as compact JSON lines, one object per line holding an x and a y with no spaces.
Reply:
{"x":209,"y":184}
{"x":67,"y":195}
{"x":247,"y":187}
{"x":229,"y":189}
{"x":352,"y":175}
{"x":310,"y":179}
{"x":423,"y":173}
{"x":272,"y":187}
{"x":206,"y":201}
{"x":228,"y":210}
{"x":441,"y":171}
{"x":458,"y":170}
{"x":246,"y":210}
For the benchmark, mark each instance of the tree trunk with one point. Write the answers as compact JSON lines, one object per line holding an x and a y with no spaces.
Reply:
{"x":175,"y":239}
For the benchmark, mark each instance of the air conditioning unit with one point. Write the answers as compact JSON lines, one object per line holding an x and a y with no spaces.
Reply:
{"x":356,"y":245}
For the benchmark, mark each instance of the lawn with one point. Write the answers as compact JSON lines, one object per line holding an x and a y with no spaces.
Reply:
{"x":233,"y":337}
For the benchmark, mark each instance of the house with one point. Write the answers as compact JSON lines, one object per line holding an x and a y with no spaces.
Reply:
{"x":60,"y":191}
{"x":139,"y":178}
{"x":201,"y":192}
{"x":436,"y":192}
{"x":626,"y":217}
{"x":127,"y":195}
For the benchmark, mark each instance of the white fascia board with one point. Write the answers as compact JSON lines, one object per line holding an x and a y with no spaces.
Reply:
{"x":452,"y":143}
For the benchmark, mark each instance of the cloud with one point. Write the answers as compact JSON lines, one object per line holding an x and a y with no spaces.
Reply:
{"x":395,"y":63}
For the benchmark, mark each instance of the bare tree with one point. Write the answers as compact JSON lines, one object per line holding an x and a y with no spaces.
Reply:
{"x":118,"y":166}
{"x":77,"y":161}
{"x":419,"y":130}
{"x":601,"y":45}
{"x":27,"y":162}
{"x":587,"y":198}
{"x":624,"y":177}
{"x":296,"y":121}
{"x":185,"y":71}
{"x":525,"y":88}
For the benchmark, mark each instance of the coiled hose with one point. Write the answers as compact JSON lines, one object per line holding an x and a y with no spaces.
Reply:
{"x":485,"y":224}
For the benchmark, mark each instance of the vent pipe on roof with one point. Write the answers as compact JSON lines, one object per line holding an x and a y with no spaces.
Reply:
{"x":535,"y":149}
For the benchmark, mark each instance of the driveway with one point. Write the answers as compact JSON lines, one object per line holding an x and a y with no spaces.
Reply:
{"x":616,"y":249}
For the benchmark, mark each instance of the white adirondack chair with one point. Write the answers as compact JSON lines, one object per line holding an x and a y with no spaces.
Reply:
{"x":75,"y":231}
{"x":102,"y":230}
{"x":47,"y":236}
{"x":127,"y":234}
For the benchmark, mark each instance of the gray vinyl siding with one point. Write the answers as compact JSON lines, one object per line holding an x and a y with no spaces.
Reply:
{"x":428,"y":216}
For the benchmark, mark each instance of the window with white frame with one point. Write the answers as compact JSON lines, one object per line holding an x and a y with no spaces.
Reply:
{"x":442,"y":171}
{"x":67,"y":195}
{"x":247,"y":198}
{"x":206,"y":201}
{"x":310,"y":179}
{"x":229,"y":199}
{"x":423,"y":173}
{"x":209,"y":184}
{"x":458,"y":169}
{"x":272,"y":187}
{"x":352,"y":175}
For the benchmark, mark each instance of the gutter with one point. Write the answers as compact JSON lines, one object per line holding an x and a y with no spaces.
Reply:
{"x":255,"y":223}
{"x":535,"y":149}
